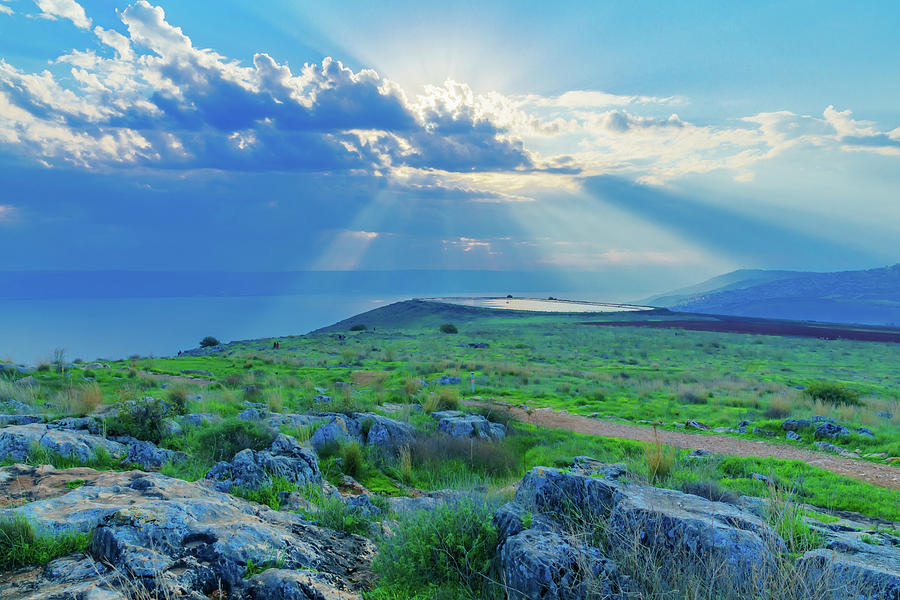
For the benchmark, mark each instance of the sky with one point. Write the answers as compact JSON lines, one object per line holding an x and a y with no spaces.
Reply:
{"x":694,"y":137}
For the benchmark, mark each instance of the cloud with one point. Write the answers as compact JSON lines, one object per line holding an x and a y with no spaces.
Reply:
{"x":159,"y":101}
{"x":594,"y":99}
{"x":5,"y":10}
{"x":7,"y":213}
{"x":64,"y":9}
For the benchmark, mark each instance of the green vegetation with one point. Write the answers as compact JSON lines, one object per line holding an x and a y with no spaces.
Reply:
{"x":267,"y":494}
{"x":444,"y":553}
{"x":22,"y":546}
{"x":101,"y":459}
{"x":448,"y":328}
{"x":208,"y":342}
{"x":832,"y":393}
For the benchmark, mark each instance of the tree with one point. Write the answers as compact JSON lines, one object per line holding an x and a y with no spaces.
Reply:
{"x":449,"y":328}
{"x":209,"y":341}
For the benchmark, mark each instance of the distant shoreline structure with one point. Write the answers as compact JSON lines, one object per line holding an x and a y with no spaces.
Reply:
{"x":548,"y":305}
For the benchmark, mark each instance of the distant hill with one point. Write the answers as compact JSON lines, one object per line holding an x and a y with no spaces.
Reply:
{"x":869,"y":297}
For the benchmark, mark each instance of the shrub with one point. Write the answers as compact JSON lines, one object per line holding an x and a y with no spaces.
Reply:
{"x":450,"y":547}
{"x":358,"y":327}
{"x":177,"y":399}
{"x":223,"y":440}
{"x":832,"y":393}
{"x":80,"y":401}
{"x":353,"y":460}
{"x":208,"y":342}
{"x":141,"y":419}
{"x":267,"y":494}
{"x":449,"y":328}
{"x":660,"y":459}
{"x":21,"y":546}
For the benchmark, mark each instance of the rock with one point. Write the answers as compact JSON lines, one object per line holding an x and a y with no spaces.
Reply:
{"x":285,"y":457}
{"x":147,"y":456}
{"x":744,"y":424}
{"x":553,"y":492}
{"x":865,"y":432}
{"x":189,"y":540}
{"x":471,"y":426}
{"x":321,"y":398}
{"x":91,"y":424}
{"x":585,"y":465}
{"x":700,"y":453}
{"x":172,"y":427}
{"x":362,"y":504}
{"x":251,"y":414}
{"x":884,"y":415}
{"x":284,"y":584}
{"x":795,"y":424}
{"x":831,"y":431}
{"x":765,"y":432}
{"x":16,"y":440}
{"x":338,"y":430}
{"x":478,"y":345}
{"x":793,"y":435}
{"x":198,"y":419}
{"x":20,"y":419}
{"x":14,"y":407}
{"x":28,"y":381}
{"x":542,"y":564}
{"x":873,"y":574}
{"x":829,"y":447}
{"x":679,"y":530}
{"x":692,"y":424}
{"x":446,"y":414}
{"x":725,"y":430}
{"x":449,"y":380}
{"x":385,"y":433}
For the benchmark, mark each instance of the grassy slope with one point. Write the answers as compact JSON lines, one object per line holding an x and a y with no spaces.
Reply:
{"x":542,"y":360}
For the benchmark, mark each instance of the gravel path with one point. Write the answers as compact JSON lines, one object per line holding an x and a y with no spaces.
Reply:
{"x":883,"y":475}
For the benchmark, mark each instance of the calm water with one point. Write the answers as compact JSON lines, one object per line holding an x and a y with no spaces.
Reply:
{"x":116,"y":328}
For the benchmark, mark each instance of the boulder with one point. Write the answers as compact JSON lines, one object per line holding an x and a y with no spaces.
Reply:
{"x":449,"y":380}
{"x":831,"y":574}
{"x":285,"y":457}
{"x":284,"y":584}
{"x":427,"y":501}
{"x":16,"y":441}
{"x":471,"y":426}
{"x":338,"y":429}
{"x":198,"y":419}
{"x":865,"y":432}
{"x":20,"y":419}
{"x":539,"y":563}
{"x":793,"y":435}
{"x":251,"y":414}
{"x":795,"y":424}
{"x":186,"y":540}
{"x":147,"y":456}
{"x":91,"y":424}
{"x":384,"y":432}
{"x":830,"y":431}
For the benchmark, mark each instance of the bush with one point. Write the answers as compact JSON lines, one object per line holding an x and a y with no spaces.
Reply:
{"x":223,"y":440}
{"x":449,"y":547}
{"x":141,"y":419}
{"x":208,"y":342}
{"x":660,"y":459}
{"x":832,"y":393}
{"x":449,"y":328}
{"x":267,"y":494}
{"x":358,"y":327}
{"x":177,"y":399}
{"x":20,"y":546}
{"x":353,"y":460}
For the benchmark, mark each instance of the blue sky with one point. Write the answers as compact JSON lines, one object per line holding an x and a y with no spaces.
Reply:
{"x":598,"y":136}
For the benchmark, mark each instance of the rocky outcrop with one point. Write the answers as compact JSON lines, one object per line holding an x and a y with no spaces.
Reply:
{"x":249,"y":469}
{"x":17,"y":440}
{"x":664,"y":527}
{"x":460,"y":425}
{"x":188,"y":540}
{"x":364,"y":428}
{"x":870,"y":574}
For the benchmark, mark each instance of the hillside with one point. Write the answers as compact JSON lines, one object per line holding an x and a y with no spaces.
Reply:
{"x":866,"y":297}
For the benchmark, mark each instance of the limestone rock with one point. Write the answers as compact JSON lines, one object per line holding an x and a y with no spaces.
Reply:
{"x":16,"y":440}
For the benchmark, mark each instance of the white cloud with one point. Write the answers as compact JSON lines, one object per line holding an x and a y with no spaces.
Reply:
{"x":5,"y":10}
{"x":64,"y":9}
{"x":7,"y":213}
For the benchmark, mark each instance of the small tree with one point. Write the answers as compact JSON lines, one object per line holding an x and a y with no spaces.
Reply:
{"x":209,"y":341}
{"x":358,"y":327}
{"x":449,"y":328}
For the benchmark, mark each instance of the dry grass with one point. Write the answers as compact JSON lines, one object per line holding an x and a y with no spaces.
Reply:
{"x":79,"y":401}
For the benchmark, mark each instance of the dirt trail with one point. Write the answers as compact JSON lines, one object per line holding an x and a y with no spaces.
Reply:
{"x":883,"y":475}
{"x":189,"y":379}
